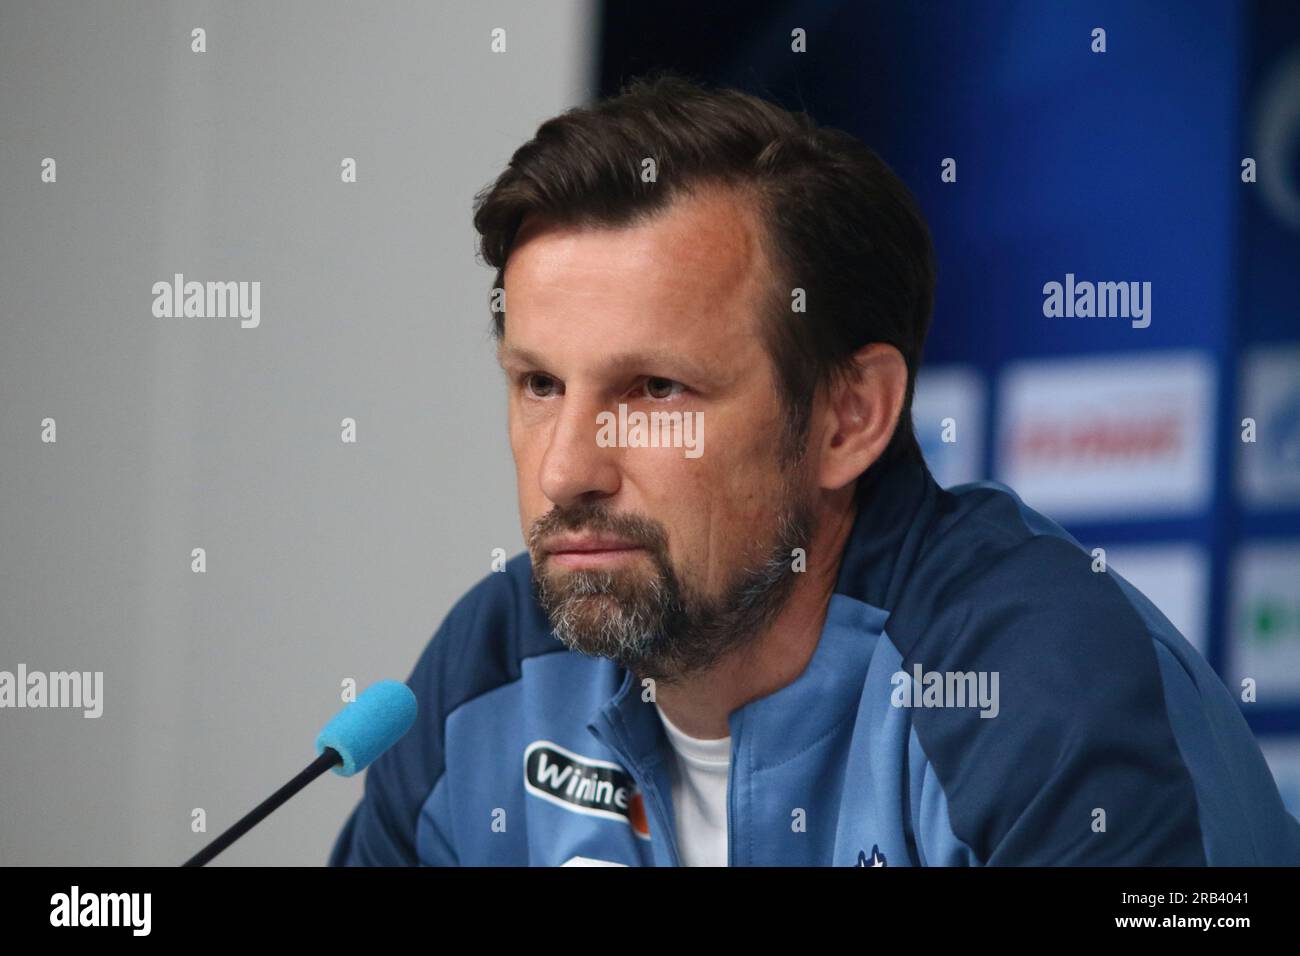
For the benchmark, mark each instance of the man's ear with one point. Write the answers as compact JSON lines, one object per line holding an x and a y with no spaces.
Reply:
{"x":861,"y":413}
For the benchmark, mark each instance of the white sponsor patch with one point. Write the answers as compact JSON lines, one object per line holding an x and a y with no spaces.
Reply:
{"x":1109,"y":438}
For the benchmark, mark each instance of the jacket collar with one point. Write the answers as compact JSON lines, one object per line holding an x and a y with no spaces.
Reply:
{"x":896,"y":507}
{"x":896,"y":504}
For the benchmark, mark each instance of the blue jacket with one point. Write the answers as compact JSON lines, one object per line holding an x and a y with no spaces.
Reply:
{"x":1113,"y":741}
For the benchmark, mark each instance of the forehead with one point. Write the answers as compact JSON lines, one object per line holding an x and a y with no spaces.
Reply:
{"x":693,"y":276}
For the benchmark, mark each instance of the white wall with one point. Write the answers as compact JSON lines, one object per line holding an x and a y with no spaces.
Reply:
{"x":325,"y":560}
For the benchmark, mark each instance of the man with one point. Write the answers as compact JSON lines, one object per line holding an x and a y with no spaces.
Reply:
{"x":755,"y":631}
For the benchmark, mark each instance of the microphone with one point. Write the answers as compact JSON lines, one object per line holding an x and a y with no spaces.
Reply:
{"x":349,"y":743}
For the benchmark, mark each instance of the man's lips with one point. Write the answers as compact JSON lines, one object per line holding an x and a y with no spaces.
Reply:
{"x":585,"y":551}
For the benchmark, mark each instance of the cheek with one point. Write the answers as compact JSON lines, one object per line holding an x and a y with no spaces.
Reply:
{"x":526,"y":431}
{"x":744,"y":485}
{"x":745,"y":471}
{"x":713,"y":507}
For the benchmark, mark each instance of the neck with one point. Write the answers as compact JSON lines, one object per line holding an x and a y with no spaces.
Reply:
{"x":700,"y":704}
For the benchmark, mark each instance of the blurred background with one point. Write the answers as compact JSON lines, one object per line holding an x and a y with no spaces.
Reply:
{"x":1171,"y":158}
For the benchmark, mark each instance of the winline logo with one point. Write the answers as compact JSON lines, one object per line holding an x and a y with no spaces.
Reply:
{"x":584,"y":785}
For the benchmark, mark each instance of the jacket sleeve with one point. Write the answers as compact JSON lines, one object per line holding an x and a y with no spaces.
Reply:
{"x":1080,"y":765}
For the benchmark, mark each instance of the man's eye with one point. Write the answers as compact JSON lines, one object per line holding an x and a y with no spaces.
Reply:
{"x":539,"y":386}
{"x":662,"y":387}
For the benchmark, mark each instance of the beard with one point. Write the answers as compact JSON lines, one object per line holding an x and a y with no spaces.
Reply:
{"x":655,"y":622}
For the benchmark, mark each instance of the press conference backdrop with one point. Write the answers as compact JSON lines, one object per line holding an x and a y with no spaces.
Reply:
{"x":1036,"y":157}
{"x":1145,"y":143}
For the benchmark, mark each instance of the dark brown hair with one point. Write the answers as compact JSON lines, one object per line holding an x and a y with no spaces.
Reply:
{"x":841,"y":225}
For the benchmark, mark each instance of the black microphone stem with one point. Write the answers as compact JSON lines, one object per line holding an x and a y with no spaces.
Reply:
{"x":328,"y":758}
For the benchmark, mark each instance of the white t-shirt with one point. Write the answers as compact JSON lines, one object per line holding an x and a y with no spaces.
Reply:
{"x":699,"y":782}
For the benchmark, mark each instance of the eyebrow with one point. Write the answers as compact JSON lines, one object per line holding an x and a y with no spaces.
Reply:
{"x":671,"y":363}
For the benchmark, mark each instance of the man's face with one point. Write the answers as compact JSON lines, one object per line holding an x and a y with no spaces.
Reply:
{"x":658,"y":559}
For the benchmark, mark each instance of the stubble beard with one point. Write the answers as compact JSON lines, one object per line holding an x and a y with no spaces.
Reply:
{"x":655,"y":623}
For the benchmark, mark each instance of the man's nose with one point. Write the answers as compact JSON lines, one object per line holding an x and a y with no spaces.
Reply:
{"x":575,"y":468}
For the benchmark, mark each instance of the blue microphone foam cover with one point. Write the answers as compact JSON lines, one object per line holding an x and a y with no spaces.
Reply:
{"x":368,"y":726}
